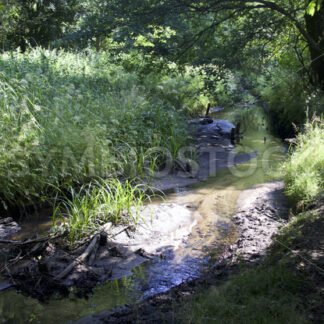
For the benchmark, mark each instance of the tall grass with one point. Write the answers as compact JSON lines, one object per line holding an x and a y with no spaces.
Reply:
{"x":99,"y":202}
{"x":68,"y":118}
{"x":304,"y":169}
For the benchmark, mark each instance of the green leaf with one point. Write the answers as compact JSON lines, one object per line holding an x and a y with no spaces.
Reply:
{"x":312,"y":8}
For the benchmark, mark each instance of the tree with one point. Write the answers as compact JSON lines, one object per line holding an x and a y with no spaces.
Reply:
{"x":34,"y":22}
{"x":193,"y":20}
{"x":315,"y":28}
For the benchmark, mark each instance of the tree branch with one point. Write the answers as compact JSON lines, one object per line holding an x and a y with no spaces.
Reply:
{"x":222,"y":5}
{"x":202,"y":32}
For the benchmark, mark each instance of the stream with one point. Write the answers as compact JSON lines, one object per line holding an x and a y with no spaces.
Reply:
{"x":215,"y":199}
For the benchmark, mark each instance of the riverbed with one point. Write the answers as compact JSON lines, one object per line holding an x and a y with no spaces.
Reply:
{"x":214,"y":198}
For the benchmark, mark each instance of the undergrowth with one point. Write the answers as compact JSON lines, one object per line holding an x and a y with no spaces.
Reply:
{"x":304,"y":168}
{"x":279,"y":290}
{"x":288,"y":96}
{"x":262,"y":295}
{"x":67,"y":118}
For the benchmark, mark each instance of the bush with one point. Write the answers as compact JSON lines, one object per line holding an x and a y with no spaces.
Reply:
{"x":288,"y":96}
{"x":304,"y":169}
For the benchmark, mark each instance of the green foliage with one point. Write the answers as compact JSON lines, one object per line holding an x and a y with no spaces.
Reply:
{"x":34,"y":22}
{"x":261,"y":295}
{"x":304,"y":169}
{"x":313,"y":7}
{"x":288,"y":97}
{"x":227,"y":33}
{"x":97,"y":203}
{"x":67,"y":118}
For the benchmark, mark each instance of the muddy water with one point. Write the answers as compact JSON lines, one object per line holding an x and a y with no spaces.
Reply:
{"x":214,"y":199}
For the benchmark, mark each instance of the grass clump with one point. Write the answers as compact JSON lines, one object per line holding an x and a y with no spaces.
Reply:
{"x":97,"y":203}
{"x":304,"y":168}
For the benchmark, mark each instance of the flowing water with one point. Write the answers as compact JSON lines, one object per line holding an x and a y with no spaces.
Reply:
{"x":214,"y":199}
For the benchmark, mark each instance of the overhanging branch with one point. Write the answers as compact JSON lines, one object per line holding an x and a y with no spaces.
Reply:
{"x":202,"y":32}
{"x":223,"y":5}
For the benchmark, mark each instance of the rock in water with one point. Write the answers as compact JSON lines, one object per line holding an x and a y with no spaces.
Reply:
{"x":205,"y":121}
{"x":8,"y":227}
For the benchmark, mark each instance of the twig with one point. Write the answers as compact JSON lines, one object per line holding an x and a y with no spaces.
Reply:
{"x":13,"y":261}
{"x":121,"y":231}
{"x":112,"y":236}
{"x":47,"y":238}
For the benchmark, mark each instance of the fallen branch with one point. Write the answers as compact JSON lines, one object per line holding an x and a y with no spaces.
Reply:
{"x":12,"y":261}
{"x":291,"y":140}
{"x":37,"y":248}
{"x":121,"y":231}
{"x":101,"y":242}
{"x":79,"y":259}
{"x":39,"y":240}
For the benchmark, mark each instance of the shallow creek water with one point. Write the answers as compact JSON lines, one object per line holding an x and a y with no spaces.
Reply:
{"x":215,"y":201}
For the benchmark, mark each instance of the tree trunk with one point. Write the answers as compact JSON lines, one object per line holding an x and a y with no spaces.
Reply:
{"x":315,"y":28}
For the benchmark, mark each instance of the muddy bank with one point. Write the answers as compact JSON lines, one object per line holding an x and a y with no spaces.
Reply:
{"x":261,"y":211}
{"x":112,"y":255}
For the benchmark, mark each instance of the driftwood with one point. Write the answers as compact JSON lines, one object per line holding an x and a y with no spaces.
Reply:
{"x":40,"y":243}
{"x":121,"y":231}
{"x":235,"y":133}
{"x":93,"y":254}
{"x":232,"y":135}
{"x":103,"y":238}
{"x":12,"y":261}
{"x":33,"y":251}
{"x":38,"y":240}
{"x":291,"y":140}
{"x":79,"y":259}
{"x":237,"y":129}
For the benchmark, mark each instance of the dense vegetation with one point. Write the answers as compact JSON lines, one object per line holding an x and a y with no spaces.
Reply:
{"x":69,"y":119}
{"x":88,"y":88}
{"x":58,"y":107}
{"x":305,"y":166}
{"x":118,"y":79}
